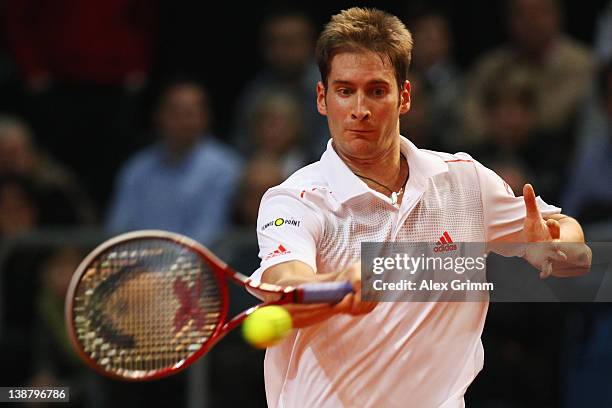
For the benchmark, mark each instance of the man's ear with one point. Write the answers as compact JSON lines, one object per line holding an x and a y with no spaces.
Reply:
{"x":321,"y":105}
{"x":405,"y":97}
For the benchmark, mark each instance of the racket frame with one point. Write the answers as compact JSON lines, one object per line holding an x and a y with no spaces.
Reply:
{"x":222,"y":271}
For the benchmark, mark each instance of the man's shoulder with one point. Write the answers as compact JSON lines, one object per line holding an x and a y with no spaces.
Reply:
{"x":213,"y":149}
{"x":448,"y":158}
{"x":461,"y":166}
{"x":141,"y":163}
{"x":216,"y":159}
{"x":301,"y":185}
{"x":308,"y":176}
{"x":571,"y":51}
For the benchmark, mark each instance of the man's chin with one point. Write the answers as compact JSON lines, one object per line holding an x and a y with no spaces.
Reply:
{"x":358,"y":148}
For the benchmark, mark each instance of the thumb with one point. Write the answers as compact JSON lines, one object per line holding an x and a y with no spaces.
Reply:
{"x":354,"y":275}
{"x":531,"y":206}
{"x":554,"y":227}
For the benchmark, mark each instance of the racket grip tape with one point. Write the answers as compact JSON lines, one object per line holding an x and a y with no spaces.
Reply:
{"x":325,"y":292}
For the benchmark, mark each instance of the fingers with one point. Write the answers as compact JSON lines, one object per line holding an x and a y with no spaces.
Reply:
{"x":361,"y":307}
{"x":344,"y":306}
{"x":352,"y":303}
{"x":566,"y":259}
{"x":355,"y":276}
{"x":531,"y":206}
{"x":554,"y":228}
{"x":546,"y":270}
{"x":555,"y":254}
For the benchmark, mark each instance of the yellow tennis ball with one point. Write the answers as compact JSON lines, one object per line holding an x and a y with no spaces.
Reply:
{"x":267,"y":326}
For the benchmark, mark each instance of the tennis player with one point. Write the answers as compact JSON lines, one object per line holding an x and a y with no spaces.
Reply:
{"x":373,"y":185}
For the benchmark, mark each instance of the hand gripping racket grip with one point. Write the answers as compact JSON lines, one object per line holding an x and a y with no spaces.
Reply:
{"x":326,"y":292}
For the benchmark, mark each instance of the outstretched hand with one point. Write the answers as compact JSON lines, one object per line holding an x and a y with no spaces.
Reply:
{"x":538,"y":230}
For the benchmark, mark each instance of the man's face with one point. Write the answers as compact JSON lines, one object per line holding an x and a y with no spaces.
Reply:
{"x":183,"y":116}
{"x":16,"y":153}
{"x":433,"y":41}
{"x":362,"y":104}
{"x":288,"y":46}
{"x":511,"y":122}
{"x":534,"y":23}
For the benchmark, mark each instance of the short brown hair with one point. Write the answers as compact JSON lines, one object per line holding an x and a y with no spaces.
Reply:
{"x":365,"y":29}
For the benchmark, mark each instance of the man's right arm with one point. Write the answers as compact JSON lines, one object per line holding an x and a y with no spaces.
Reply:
{"x":295,"y":273}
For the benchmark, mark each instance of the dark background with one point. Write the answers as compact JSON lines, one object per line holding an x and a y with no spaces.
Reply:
{"x":218,"y":43}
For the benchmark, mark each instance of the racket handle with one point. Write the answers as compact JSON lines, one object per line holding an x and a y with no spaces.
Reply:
{"x":325,"y":292}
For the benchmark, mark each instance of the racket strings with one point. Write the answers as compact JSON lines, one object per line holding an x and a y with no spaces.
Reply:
{"x":144,"y":307}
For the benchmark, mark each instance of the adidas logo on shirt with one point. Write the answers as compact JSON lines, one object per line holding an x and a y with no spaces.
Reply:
{"x":281,"y":250}
{"x":445,"y":243}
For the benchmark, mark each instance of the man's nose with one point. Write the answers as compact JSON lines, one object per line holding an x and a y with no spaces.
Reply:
{"x":360,"y":109}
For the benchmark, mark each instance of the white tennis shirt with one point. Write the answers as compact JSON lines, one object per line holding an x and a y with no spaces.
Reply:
{"x":401,"y":354}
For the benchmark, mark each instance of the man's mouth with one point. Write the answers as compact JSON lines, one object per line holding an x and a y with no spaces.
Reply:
{"x":361,"y":130}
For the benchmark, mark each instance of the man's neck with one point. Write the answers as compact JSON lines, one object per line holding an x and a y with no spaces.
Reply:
{"x":177,"y":152}
{"x":541,"y":54}
{"x":385,"y":170}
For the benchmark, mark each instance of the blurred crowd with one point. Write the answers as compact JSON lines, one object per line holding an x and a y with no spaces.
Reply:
{"x":92,"y":135}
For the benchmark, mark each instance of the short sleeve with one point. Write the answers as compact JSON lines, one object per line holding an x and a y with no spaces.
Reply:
{"x":288,"y":229}
{"x":504,"y":213}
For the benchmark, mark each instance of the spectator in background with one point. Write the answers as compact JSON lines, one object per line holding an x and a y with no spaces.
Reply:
{"x":54,"y":361}
{"x":593,"y":122}
{"x":587,"y":357}
{"x":20,"y":213}
{"x":276,"y":131}
{"x":19,"y":206}
{"x":513,"y":147}
{"x":287,"y":44}
{"x":239,"y":249}
{"x":83,"y":64}
{"x":560,"y":67}
{"x":512,"y":170}
{"x":441,"y":80}
{"x":183,"y":183}
{"x":588,"y":194}
{"x":259,"y":174}
{"x":416,"y":126}
{"x":603,"y":34}
{"x":94,"y":42}
{"x":19,"y":156}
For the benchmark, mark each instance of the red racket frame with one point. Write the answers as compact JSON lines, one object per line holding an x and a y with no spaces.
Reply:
{"x":222,"y":272}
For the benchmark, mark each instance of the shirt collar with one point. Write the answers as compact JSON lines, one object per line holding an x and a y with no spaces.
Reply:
{"x":345,"y":185}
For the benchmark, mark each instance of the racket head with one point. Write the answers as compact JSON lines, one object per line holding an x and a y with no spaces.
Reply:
{"x":146,"y":304}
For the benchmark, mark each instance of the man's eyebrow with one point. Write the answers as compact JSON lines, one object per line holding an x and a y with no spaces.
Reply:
{"x":371,"y":82}
{"x":341,"y":82}
{"x":378,"y":82}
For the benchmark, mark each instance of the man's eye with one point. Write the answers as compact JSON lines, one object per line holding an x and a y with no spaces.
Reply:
{"x":379,"y":92}
{"x":344,"y":91}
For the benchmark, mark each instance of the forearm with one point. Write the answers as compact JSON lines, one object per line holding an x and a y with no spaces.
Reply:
{"x":295,"y":273}
{"x":307,"y":315}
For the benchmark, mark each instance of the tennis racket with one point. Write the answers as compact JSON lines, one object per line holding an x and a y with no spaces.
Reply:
{"x":147,"y":304}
